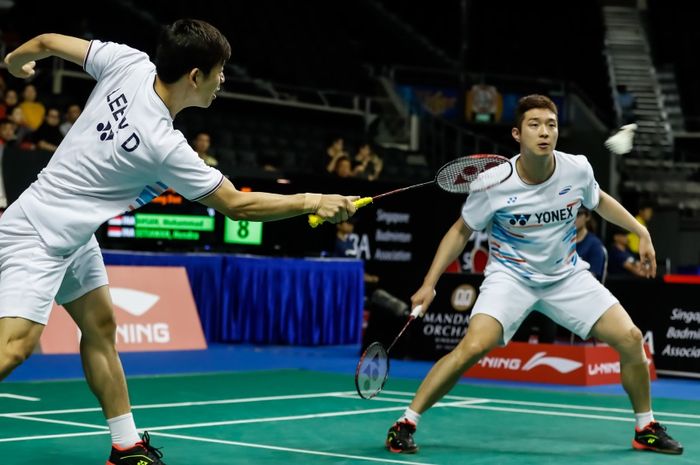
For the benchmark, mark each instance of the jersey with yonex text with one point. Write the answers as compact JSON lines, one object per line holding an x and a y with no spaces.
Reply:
{"x":531,"y":228}
{"x":121,"y":153}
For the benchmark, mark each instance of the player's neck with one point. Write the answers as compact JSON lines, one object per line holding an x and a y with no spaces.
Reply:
{"x":535,"y":169}
{"x":169,"y":96}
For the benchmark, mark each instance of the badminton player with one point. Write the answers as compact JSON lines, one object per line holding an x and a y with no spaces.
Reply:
{"x":121,"y":153}
{"x":530,"y":219}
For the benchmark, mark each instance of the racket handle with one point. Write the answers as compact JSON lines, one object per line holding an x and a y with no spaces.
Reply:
{"x":315,"y":220}
{"x":417,"y":312}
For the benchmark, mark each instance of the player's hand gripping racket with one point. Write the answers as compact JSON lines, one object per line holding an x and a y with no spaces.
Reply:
{"x":464,"y":175}
{"x":373,"y":368}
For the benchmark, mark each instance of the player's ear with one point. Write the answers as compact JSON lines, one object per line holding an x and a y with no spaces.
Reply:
{"x":193,"y":75}
{"x":515,"y":132}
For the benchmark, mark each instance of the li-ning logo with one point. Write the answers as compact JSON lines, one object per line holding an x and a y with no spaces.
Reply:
{"x":562,"y":365}
{"x":565,"y":190}
{"x":132,"y":301}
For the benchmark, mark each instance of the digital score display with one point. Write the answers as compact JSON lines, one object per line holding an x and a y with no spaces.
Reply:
{"x":160,"y":226}
{"x":242,"y":232}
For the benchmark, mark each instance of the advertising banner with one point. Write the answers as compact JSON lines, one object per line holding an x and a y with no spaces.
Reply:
{"x":154,"y":309}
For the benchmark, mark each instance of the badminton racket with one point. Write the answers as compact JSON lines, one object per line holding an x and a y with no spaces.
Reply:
{"x":373,"y":368}
{"x":463,"y":175}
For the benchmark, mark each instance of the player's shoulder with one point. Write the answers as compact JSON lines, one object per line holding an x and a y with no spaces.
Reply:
{"x":573,"y":161}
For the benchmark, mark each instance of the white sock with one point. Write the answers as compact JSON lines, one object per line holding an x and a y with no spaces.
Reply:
{"x":644,"y":419}
{"x":123,"y":430}
{"x":410,"y":415}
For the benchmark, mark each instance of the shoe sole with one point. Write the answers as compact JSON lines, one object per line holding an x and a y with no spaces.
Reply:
{"x":643,"y":447}
{"x":400,"y":451}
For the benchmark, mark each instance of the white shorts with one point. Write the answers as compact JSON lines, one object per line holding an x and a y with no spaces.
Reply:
{"x":31,"y":277}
{"x":576,"y":302}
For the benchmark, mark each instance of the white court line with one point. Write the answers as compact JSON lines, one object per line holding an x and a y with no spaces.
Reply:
{"x":15,"y":396}
{"x":568,"y":414}
{"x":189,"y":404}
{"x":545,"y":404}
{"x":52,"y":436}
{"x":289,"y":449}
{"x":57,"y":422}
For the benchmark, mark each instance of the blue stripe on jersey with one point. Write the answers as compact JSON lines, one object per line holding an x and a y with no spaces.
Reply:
{"x":514,"y":267}
{"x":502,"y":234}
{"x":569,"y":235}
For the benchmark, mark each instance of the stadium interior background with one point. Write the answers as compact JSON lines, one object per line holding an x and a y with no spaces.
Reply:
{"x":398,"y":75}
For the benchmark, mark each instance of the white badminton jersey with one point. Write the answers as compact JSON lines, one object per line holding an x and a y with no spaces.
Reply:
{"x":531,"y":228}
{"x":121,"y":153}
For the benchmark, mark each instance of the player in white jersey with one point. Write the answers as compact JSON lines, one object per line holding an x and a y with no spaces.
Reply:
{"x":121,"y":152}
{"x":530,"y":219}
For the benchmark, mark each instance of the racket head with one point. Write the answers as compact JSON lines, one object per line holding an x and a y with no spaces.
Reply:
{"x":372,"y":371}
{"x":473,"y":173}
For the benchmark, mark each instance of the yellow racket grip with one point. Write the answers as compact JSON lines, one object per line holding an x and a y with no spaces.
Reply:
{"x":315,"y":220}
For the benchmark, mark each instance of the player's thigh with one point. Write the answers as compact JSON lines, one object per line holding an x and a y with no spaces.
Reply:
{"x":19,"y":335}
{"x":84,"y":292}
{"x":506,"y":300}
{"x":29,"y":274}
{"x":616,"y":328}
{"x":93,"y":313}
{"x":85,"y":273}
{"x":577,"y":302}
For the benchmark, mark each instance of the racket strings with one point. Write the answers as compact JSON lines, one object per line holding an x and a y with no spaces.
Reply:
{"x":372,"y":371}
{"x":473,"y":173}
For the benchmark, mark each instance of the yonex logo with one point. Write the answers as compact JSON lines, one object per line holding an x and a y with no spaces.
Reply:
{"x":106,"y":131}
{"x":132,"y":301}
{"x":562,"y":365}
{"x":519,"y":218}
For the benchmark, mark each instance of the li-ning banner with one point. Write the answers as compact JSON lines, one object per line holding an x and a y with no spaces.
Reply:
{"x":154,"y":309}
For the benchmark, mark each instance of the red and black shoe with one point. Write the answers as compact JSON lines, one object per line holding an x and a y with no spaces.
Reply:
{"x":400,"y":438}
{"x":143,"y":453}
{"x":653,"y":437}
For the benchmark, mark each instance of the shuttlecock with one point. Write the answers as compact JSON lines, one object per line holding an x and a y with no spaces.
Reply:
{"x":621,"y":142}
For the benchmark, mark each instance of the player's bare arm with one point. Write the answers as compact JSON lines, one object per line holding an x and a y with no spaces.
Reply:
{"x":22,"y":60}
{"x":452,"y":244}
{"x":263,"y":206}
{"x":611,"y":210}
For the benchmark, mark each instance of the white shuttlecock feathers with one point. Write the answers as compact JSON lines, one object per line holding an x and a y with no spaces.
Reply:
{"x":622,"y":141}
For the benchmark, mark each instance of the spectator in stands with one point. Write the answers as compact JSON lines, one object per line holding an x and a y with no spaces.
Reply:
{"x":343,"y":167}
{"x":71,"y":117}
{"x":8,"y":132}
{"x":201,"y":144}
{"x":48,"y":136}
{"x":23,"y":132}
{"x":9,"y":103}
{"x":335,"y":151}
{"x":645,"y":212}
{"x":369,"y":165}
{"x":34,"y":111}
{"x":589,"y":247}
{"x":627,"y":104}
{"x":620,"y":260}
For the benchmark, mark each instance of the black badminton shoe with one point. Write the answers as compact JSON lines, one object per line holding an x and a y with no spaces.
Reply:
{"x":653,"y":437}
{"x":143,"y":453}
{"x":400,"y":438}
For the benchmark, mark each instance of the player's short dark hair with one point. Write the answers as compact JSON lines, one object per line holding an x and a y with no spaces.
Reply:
{"x":530,"y":102}
{"x":187,"y":44}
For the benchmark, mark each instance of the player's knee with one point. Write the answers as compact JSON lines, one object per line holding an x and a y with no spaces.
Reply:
{"x":630,"y":342}
{"x":471,"y":350}
{"x":102,"y":327}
